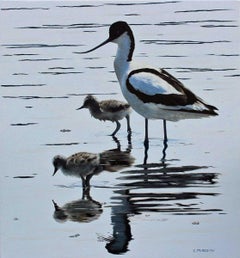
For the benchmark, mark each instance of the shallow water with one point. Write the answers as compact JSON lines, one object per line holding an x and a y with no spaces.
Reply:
{"x":187,"y":206}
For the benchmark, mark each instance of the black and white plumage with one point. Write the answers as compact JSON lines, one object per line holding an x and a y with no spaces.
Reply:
{"x":152,"y":92}
{"x":111,"y":110}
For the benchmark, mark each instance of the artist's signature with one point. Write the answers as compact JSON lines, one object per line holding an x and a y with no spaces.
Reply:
{"x":203,"y":250}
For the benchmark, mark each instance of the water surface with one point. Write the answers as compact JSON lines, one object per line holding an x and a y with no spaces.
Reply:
{"x":186,"y":206}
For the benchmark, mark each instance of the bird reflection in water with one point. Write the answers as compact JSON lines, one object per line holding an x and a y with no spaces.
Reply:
{"x":175,"y":179}
{"x":118,"y":242}
{"x":158,"y":188}
{"x":83,"y":210}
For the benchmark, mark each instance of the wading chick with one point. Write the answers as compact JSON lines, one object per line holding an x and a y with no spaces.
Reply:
{"x":81,"y":164}
{"x":111,"y":110}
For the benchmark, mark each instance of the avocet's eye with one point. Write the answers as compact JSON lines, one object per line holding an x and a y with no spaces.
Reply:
{"x":118,"y":32}
{"x":115,"y":33}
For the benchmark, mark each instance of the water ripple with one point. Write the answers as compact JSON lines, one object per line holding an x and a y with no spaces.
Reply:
{"x":21,"y":54}
{"x":61,"y":68}
{"x":79,"y":6}
{"x":22,"y":85}
{"x":23,"y":8}
{"x":140,"y":188}
{"x":193,"y":21}
{"x":65,"y":26}
{"x":203,"y":10}
{"x":61,"y":144}
{"x":23,"y":177}
{"x":39,"y":45}
{"x":219,"y":26}
{"x":203,"y":69}
{"x":23,"y":124}
{"x":181,"y":42}
{"x":143,"y":3}
{"x":38,"y":59}
{"x":34,"y":97}
{"x":60,"y":73}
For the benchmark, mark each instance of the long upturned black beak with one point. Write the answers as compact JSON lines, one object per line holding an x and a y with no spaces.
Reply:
{"x":100,"y":45}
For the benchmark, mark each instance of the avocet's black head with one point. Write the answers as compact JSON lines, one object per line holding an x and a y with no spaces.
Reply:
{"x":116,"y":30}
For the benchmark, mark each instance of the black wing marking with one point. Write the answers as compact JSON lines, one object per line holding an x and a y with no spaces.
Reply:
{"x":184,"y":98}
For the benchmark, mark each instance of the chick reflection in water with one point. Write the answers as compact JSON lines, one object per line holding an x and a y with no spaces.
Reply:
{"x":83,"y":210}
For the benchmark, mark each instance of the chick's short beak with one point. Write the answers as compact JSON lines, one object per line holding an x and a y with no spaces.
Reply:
{"x":55,"y":171}
{"x":80,"y":108}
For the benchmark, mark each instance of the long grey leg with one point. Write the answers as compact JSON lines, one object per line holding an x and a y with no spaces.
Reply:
{"x":129,"y":130}
{"x":165,"y":130}
{"x":146,"y":132}
{"x":146,"y":142}
{"x":165,"y":140}
{"x":117,"y":128}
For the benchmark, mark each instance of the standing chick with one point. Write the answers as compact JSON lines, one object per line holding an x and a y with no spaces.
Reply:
{"x":81,"y":164}
{"x":112,"y":110}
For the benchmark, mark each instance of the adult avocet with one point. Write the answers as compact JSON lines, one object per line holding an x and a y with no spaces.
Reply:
{"x":152,"y":92}
{"x":111,"y":110}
